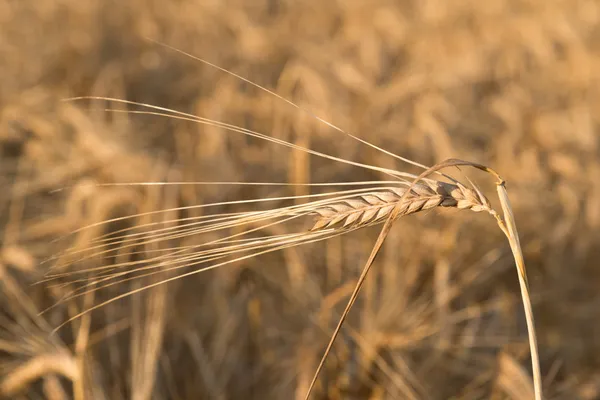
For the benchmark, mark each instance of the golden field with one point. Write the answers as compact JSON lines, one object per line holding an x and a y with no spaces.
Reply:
{"x":512,"y":84}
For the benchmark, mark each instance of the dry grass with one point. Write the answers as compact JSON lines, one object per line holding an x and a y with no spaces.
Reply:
{"x":507,"y":83}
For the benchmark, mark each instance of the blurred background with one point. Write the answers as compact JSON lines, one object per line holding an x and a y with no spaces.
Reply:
{"x":512,"y":84}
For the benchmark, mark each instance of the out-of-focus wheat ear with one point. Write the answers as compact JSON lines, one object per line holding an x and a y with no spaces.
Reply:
{"x":39,"y":366}
{"x":509,"y":228}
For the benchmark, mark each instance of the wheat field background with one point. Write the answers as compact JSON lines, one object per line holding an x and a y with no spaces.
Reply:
{"x":513,"y":84}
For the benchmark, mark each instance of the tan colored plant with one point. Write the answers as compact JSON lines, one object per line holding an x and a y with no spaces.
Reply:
{"x":333,"y":214}
{"x":24,"y":336}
